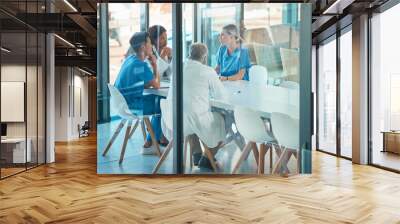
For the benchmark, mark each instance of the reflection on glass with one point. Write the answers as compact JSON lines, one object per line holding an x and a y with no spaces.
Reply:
{"x":241,"y":90}
{"x":22,"y":92}
{"x":124,"y":20}
{"x":161,"y":14}
{"x":262,"y":14}
{"x":327,"y":97}
{"x":385,"y":85}
{"x":187,"y":28}
{"x":214,"y":17}
{"x":346,"y":94}
{"x":139,"y":132}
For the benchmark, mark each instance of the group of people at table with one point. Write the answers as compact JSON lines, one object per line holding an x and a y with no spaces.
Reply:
{"x":144,"y":68}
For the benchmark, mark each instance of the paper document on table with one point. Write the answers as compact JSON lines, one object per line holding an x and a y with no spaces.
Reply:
{"x":165,"y":84}
{"x":162,"y":65}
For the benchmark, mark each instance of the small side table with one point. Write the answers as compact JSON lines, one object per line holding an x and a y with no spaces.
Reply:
{"x":391,"y":141}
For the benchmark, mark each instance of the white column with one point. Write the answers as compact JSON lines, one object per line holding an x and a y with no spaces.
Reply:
{"x":360,"y":90}
{"x":50,"y":99}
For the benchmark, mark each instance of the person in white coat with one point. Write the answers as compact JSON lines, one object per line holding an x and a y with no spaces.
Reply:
{"x":200,"y":83}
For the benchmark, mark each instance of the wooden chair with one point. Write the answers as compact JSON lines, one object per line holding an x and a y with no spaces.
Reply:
{"x":286,"y":131}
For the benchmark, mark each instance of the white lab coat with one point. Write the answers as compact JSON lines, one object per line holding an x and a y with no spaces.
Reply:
{"x":200,"y":82}
{"x":163,"y":65}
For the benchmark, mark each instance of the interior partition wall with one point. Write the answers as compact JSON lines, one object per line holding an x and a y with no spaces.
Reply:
{"x":22,"y":77}
{"x":204,"y":112}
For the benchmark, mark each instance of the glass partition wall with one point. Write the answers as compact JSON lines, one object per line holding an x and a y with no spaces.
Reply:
{"x":22,"y":90}
{"x":327,"y":79}
{"x":238,"y":102}
{"x":133,"y":143}
{"x":244,"y":68}
{"x":385,"y":90}
{"x":334,"y":94}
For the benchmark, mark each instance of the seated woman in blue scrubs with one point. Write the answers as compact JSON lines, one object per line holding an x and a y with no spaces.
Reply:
{"x":233,"y":61}
{"x":134,"y":76}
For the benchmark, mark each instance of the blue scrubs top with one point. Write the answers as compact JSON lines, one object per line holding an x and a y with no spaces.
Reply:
{"x":230,"y":64}
{"x":132,"y":78}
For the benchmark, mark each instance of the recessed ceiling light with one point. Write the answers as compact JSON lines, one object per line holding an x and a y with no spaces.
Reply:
{"x":70,"y":5}
{"x":5,"y":50}
{"x":84,"y":71}
{"x":64,"y":40}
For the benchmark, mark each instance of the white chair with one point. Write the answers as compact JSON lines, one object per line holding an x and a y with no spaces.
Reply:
{"x":286,"y":131}
{"x":167,"y":127}
{"x":258,"y":75}
{"x":254,"y":130}
{"x":119,"y":104}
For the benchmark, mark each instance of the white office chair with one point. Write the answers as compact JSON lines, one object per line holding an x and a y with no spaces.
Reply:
{"x":258,"y":75}
{"x":167,"y":127}
{"x":290,"y":85}
{"x":121,"y":108}
{"x":254,"y":130}
{"x":286,"y":131}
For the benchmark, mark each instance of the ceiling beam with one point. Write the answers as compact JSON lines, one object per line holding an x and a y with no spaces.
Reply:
{"x":82,"y":61}
{"x":83,"y":23}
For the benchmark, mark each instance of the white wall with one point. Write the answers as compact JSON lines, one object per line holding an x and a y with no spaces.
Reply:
{"x":17,"y":73}
{"x":61,"y":103}
{"x":69,"y":81}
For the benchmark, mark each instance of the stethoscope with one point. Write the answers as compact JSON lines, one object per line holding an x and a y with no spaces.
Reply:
{"x":155,"y":52}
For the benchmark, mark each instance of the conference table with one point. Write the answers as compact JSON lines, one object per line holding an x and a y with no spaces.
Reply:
{"x":264,"y":99}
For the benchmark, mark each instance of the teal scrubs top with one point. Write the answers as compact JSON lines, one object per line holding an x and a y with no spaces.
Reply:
{"x":230,"y":64}
{"x":133,"y":76}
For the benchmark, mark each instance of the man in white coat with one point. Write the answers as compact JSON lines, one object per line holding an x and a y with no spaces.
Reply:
{"x":200,"y":83}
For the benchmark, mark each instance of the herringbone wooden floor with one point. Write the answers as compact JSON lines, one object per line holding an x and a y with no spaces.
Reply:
{"x":70,"y":191}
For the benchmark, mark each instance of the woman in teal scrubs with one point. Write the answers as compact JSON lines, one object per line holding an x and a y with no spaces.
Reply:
{"x":233,"y":61}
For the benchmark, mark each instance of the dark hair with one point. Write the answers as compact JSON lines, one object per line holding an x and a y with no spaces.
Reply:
{"x":232,"y":30}
{"x":137,"y":40}
{"x":155,"y":32}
